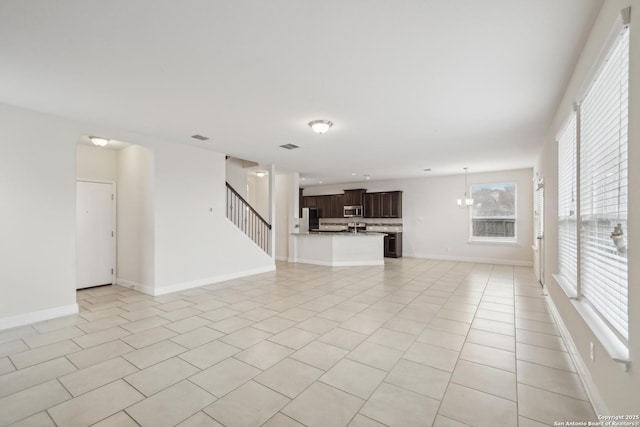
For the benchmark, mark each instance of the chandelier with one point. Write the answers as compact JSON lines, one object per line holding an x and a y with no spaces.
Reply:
{"x":466,"y":201}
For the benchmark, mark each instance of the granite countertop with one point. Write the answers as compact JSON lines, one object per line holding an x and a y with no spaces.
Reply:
{"x":340,"y":233}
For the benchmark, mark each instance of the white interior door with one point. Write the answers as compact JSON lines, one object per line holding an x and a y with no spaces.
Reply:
{"x":95,"y":234}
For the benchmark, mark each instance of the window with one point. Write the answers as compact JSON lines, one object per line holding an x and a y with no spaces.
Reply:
{"x":493,"y":216}
{"x":567,"y":196}
{"x":592,"y":196}
{"x":603,"y":188}
{"x":538,"y":212}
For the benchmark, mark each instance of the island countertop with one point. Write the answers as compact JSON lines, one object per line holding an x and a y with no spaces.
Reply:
{"x":339,"y":249}
{"x":339,"y":233}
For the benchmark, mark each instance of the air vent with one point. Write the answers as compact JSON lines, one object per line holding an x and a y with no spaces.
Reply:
{"x":289,"y":146}
{"x":200,"y":137}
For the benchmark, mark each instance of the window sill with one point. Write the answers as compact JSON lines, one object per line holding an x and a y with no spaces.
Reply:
{"x":493,"y":242}
{"x":615,"y":348}
{"x":568,"y":288}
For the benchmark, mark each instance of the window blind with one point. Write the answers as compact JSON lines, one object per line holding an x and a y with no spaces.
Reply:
{"x":567,"y":215}
{"x":539,"y":211}
{"x":604,"y":188}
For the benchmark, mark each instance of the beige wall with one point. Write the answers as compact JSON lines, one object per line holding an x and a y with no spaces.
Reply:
{"x":236,"y":175}
{"x":97,"y":163}
{"x":618,"y":389}
{"x":287,"y":213}
{"x":135,"y":223}
{"x":258,"y":194}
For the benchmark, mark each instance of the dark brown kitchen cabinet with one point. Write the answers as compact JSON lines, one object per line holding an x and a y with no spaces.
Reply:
{"x":383,"y":205}
{"x":391,"y":204}
{"x":337,"y":206}
{"x":354,"y":197}
{"x":309,"y":201}
{"x":329,"y":206}
{"x":371,"y":207}
{"x":300,"y":202}
{"x":396,"y":204}
{"x":323,"y":204}
{"x":386,"y":204}
{"x":393,"y":245}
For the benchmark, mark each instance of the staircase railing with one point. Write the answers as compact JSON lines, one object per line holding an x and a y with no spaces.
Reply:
{"x":247,"y":219}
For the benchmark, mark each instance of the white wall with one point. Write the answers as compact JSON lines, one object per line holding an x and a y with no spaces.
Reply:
{"x":618,"y":388}
{"x":196,"y":246}
{"x":135,"y":218}
{"x":435,"y":227}
{"x":97,"y":163}
{"x":37,"y":216}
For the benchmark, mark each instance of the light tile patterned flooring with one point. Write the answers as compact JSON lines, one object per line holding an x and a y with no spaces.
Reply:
{"x":415,"y":343}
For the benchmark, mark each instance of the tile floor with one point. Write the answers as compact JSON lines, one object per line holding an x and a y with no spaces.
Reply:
{"x":415,"y":343}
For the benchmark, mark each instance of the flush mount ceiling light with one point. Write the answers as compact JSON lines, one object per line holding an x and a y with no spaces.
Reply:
{"x":320,"y":126}
{"x":260,"y":174}
{"x":465,"y":202}
{"x":100,"y":142}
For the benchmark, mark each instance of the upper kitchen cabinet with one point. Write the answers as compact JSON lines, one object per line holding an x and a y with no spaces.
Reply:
{"x":375,"y":205}
{"x":337,"y":206}
{"x":371,"y":207}
{"x":323,"y":204}
{"x":354,"y":197}
{"x":330,"y":206}
{"x":309,"y":201}
{"x":300,"y":202}
{"x":391,"y":204}
{"x":383,"y":205}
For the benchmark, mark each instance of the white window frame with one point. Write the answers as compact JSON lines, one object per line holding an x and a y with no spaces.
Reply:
{"x":488,"y":239}
{"x":568,"y":276}
{"x":614,"y":342}
{"x":538,"y":211}
{"x":604,"y":189}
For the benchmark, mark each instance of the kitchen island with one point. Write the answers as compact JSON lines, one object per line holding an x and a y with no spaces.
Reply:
{"x":338,"y":249}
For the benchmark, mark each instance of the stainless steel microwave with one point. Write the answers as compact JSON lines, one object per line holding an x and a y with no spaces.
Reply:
{"x":351,"y":211}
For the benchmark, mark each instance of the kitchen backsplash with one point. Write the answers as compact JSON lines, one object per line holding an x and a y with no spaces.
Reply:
{"x":373,"y":224}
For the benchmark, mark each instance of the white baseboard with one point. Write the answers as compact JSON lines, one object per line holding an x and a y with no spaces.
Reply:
{"x":518,"y":263}
{"x":583,"y":372}
{"x":211,"y":280}
{"x":37,"y":316}
{"x":135,"y":286}
{"x":282,"y":258}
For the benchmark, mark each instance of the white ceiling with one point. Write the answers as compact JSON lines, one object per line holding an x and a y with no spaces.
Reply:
{"x":409,"y":84}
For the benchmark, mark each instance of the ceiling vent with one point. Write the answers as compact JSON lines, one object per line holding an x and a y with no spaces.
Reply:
{"x":289,"y":146}
{"x":200,"y":137}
